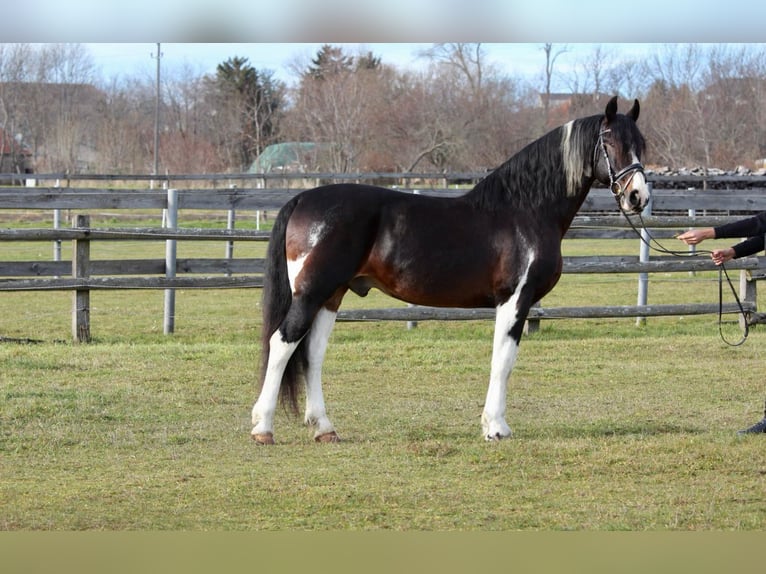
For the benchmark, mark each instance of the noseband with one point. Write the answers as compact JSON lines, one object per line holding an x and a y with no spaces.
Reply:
{"x":617,"y":189}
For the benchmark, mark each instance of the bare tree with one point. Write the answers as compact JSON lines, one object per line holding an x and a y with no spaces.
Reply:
{"x":336,"y":104}
{"x":65,"y":73}
{"x":187,"y":146}
{"x":596,"y":66}
{"x":467,"y":59}
{"x":15,"y":62}
{"x":551,"y":56}
{"x":124,"y":128}
{"x":676,"y":123}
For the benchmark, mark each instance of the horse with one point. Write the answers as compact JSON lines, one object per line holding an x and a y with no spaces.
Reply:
{"x":496,"y":246}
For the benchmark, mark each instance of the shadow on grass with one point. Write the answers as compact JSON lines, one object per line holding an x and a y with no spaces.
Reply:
{"x":604,"y":429}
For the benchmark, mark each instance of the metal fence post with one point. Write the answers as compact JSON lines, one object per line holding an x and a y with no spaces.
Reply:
{"x":230,"y":223}
{"x":171,"y":222}
{"x":643,"y":278}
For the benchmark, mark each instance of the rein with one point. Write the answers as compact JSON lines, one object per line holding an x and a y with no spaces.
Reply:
{"x":618,"y":190}
{"x":721,"y":274}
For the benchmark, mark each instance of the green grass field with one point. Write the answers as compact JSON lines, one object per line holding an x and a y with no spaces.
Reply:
{"x":617,"y":427}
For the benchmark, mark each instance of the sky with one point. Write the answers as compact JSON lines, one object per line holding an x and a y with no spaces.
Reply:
{"x":272,"y":33}
{"x":516,"y":59}
{"x":389,"y":21}
{"x":521,"y":60}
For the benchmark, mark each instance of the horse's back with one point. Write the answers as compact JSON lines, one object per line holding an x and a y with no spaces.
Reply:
{"x":353,"y":198}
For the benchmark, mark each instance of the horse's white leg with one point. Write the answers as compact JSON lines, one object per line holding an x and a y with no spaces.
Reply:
{"x":504,"y":352}
{"x":505,"y":348}
{"x":316,"y":415}
{"x":264,"y":408}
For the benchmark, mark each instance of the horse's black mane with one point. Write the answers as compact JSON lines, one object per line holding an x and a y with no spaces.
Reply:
{"x":536,"y":176}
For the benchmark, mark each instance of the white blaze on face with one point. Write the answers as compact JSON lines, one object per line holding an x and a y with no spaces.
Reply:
{"x":635,"y":182}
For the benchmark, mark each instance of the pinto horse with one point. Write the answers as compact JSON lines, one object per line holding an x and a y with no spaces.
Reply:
{"x":498,"y":246}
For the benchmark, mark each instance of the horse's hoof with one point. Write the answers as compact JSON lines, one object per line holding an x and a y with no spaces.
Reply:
{"x":497,"y":437}
{"x":327,"y":437}
{"x":263,"y":438}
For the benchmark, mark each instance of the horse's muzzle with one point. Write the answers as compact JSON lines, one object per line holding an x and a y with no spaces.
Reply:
{"x":634,"y":197}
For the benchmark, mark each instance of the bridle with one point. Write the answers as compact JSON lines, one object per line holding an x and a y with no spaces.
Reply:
{"x":618,"y":190}
{"x":615,"y":185}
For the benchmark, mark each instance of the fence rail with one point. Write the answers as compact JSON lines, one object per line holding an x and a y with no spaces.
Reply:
{"x":82,"y":275}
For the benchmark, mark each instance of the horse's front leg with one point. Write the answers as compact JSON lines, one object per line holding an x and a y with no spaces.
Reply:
{"x":509,"y":326}
{"x":505,"y":347}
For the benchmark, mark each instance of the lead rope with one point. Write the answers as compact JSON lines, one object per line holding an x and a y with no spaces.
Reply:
{"x":722,"y":272}
{"x":617,"y":190}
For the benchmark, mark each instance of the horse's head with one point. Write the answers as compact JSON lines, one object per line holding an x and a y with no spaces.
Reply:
{"x":617,"y":158}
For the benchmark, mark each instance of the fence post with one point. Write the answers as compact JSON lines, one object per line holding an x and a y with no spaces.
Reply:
{"x":80,"y":270}
{"x":230,"y":222}
{"x":171,"y":222}
{"x":748,"y":293}
{"x":412,"y":324}
{"x":532,"y":325}
{"x":692,"y":214}
{"x":57,"y":225}
{"x":643,"y":278}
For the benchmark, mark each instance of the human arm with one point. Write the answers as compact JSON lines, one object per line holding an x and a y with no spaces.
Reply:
{"x":748,"y":227}
{"x":695,"y":236}
{"x":750,"y":246}
{"x":720,"y":256}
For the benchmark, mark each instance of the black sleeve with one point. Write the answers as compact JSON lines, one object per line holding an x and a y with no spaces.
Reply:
{"x":749,"y":246}
{"x":748,"y":227}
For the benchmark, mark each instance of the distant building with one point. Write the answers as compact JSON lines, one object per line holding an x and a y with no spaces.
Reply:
{"x":15,"y":157}
{"x":292,"y":157}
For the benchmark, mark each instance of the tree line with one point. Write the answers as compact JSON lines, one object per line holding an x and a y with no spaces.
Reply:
{"x":701,"y":105}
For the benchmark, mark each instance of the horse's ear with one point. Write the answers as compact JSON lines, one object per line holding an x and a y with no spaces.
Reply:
{"x":633,"y":113}
{"x":611,"y":109}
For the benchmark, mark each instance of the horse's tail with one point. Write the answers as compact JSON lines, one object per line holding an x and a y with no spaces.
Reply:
{"x":275,"y":302}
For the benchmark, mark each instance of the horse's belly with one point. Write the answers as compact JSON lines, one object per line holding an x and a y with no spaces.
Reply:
{"x":431,"y":290}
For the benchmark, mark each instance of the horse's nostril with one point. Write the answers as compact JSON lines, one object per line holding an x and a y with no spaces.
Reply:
{"x":634,"y":198}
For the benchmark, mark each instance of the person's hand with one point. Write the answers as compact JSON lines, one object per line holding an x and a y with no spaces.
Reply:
{"x":722,"y":255}
{"x":695,"y":236}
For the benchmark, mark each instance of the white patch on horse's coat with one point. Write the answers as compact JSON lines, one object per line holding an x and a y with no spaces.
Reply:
{"x":315,"y":233}
{"x":295,"y":266}
{"x":504,"y":352}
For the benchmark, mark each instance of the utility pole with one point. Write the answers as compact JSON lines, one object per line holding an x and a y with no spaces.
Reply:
{"x":157,"y":117}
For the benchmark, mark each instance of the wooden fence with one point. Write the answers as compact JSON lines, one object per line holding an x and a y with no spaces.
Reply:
{"x":675,"y":209}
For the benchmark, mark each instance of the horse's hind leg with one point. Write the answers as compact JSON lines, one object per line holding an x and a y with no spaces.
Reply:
{"x":316,"y":414}
{"x":302,"y":320}
{"x":280,"y":352}
{"x":283,"y":343}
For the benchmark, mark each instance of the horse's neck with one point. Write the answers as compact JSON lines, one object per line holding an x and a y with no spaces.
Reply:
{"x":575,"y":203}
